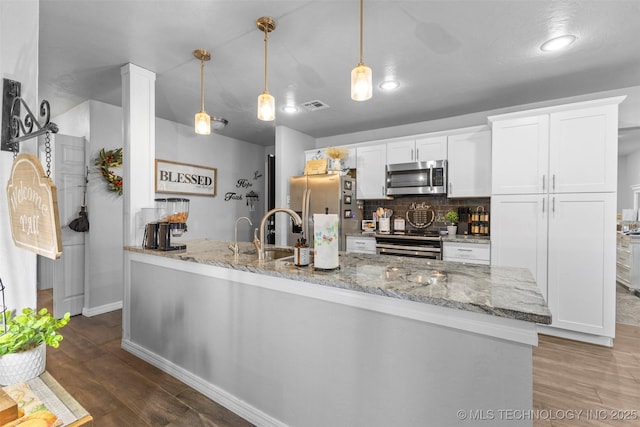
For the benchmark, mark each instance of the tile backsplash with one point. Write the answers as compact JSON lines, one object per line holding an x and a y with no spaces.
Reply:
{"x":439,"y":204}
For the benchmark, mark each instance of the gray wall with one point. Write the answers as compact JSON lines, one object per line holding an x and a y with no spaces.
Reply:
{"x":212,"y":217}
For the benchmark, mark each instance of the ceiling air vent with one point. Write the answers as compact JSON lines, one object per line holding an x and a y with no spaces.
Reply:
{"x":315,"y":105}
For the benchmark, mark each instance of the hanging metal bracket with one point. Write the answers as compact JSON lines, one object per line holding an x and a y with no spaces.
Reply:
{"x":14,"y":128}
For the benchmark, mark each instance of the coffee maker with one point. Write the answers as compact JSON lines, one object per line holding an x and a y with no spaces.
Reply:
{"x":171,"y":222}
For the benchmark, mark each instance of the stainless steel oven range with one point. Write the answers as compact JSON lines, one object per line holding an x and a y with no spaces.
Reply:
{"x":411,"y":243}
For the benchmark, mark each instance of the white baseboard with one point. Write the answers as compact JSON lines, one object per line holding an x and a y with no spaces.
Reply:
{"x":94,"y":311}
{"x":224,"y":398}
{"x":576,"y":336}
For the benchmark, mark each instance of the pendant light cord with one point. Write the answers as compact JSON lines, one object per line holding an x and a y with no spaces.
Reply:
{"x":361,"y":28}
{"x":266,"y":56}
{"x":202,"y":83}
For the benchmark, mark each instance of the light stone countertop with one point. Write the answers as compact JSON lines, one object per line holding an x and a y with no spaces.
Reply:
{"x":499,"y":291}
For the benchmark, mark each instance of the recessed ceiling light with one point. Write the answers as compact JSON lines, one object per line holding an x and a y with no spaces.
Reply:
{"x":290,"y":109}
{"x":389,"y":85}
{"x":557,"y":43}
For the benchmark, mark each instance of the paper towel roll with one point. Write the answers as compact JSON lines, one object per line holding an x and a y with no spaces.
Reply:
{"x":325,"y":241}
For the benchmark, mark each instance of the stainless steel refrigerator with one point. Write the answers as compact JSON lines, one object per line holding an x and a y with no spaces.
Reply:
{"x":318,"y":194}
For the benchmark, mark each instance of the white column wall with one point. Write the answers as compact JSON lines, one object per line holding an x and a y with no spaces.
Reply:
{"x":139,"y":124}
{"x":19,"y":33}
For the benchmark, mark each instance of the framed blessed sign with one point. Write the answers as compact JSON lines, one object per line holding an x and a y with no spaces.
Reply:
{"x":183,"y":178}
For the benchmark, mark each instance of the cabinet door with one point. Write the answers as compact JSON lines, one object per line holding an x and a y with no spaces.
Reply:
{"x":519,"y":234}
{"x":401,"y":152}
{"x":583,"y":152}
{"x":370,"y":182}
{"x":469,"y":164}
{"x":431,"y":148}
{"x":520,"y":155}
{"x":582,"y":261}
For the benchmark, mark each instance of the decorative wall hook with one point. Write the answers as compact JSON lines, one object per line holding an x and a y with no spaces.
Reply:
{"x":14,"y":128}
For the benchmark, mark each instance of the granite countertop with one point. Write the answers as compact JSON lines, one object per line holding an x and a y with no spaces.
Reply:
{"x":499,"y":291}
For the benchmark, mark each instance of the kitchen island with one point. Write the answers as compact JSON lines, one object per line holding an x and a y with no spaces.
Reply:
{"x":382,"y":340}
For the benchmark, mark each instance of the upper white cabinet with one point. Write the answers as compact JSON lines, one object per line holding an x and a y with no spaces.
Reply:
{"x":401,"y":151}
{"x":469,"y":156}
{"x":371,"y":171}
{"x":418,"y":149}
{"x":520,"y":155}
{"x":568,"y":151}
{"x":431,"y":148}
{"x":583,"y":150}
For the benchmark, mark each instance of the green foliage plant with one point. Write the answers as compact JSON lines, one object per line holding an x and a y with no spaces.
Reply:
{"x":28,"y":330}
{"x":451,"y":217}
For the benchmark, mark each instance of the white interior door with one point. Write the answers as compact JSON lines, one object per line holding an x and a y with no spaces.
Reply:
{"x":66,"y":275}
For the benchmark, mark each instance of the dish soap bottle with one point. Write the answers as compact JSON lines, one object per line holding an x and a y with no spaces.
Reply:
{"x":301,"y":252}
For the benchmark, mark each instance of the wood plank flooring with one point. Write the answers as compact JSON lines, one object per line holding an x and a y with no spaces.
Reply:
{"x":118,"y":389}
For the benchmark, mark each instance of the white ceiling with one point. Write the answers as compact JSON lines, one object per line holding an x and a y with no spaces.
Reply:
{"x":451,"y":57}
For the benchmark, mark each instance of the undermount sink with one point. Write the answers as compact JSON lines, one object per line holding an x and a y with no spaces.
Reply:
{"x":271,"y":254}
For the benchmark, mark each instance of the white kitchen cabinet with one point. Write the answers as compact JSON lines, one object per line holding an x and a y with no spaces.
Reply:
{"x":554,"y":210}
{"x":402,"y":151}
{"x":569,"y":149}
{"x":431,"y":148}
{"x":467,"y":252}
{"x":520,"y":155}
{"x":361,"y":244}
{"x":371,"y":173}
{"x":519,"y":234}
{"x":469,"y":170}
{"x":566,"y":243}
{"x":583,"y":151}
{"x":582,"y":262}
{"x":419,"y":149}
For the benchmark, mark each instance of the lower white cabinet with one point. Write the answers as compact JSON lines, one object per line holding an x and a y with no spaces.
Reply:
{"x":582,"y":262}
{"x":568,"y":241}
{"x":471,"y":253}
{"x":361,"y":244}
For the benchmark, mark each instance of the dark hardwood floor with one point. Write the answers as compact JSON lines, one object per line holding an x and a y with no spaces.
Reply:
{"x":119,"y":389}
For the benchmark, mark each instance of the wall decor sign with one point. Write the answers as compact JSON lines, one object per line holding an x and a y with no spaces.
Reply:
{"x":33,"y":208}
{"x":183,"y":178}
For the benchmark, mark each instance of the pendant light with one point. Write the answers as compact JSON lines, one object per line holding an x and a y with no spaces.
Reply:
{"x":361,"y":76}
{"x":266,"y":102}
{"x":202,"y":119}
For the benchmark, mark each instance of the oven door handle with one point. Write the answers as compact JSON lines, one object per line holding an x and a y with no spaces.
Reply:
{"x":409,"y":248}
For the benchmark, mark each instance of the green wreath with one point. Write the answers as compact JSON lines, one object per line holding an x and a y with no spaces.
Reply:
{"x":111,"y":159}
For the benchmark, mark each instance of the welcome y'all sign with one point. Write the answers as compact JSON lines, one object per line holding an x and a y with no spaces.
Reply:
{"x":33,"y":208}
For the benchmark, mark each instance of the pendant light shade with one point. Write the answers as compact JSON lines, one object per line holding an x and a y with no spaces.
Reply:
{"x":361,"y":83}
{"x":266,"y":107}
{"x":266,"y":102}
{"x":202,"y":119}
{"x":361,"y":76}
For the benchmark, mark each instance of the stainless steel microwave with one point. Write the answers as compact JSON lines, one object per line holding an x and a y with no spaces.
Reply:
{"x":426,"y":178}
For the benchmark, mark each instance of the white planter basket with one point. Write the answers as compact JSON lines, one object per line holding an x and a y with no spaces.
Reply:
{"x":452,"y":230}
{"x":23,"y":366}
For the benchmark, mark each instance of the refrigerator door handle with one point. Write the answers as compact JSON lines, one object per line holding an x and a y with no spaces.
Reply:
{"x":306,"y":202}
